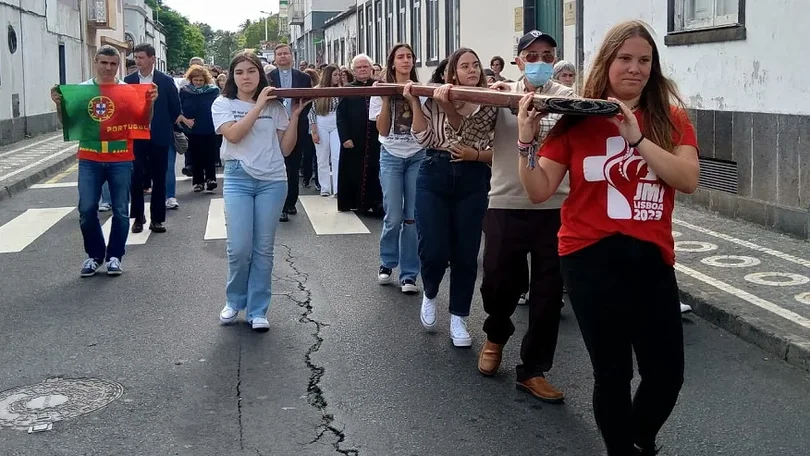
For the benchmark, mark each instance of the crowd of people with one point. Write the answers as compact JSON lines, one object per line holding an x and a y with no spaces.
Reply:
{"x":576,"y":203}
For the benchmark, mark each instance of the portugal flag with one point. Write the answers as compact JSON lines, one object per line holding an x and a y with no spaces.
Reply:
{"x":107,"y":112}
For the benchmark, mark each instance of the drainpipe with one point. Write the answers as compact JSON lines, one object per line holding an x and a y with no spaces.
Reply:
{"x":580,"y":43}
{"x":23,"y":98}
{"x":83,"y":39}
{"x":529,"y":15}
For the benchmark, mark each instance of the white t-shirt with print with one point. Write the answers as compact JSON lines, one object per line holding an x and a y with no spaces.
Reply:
{"x":259,"y":151}
{"x":400,"y":141}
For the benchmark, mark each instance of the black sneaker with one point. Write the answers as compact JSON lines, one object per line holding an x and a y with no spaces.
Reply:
{"x":198,"y":188}
{"x":409,"y":286}
{"x":384,"y":276}
{"x":210,"y":186}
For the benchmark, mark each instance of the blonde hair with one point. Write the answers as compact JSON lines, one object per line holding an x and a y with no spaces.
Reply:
{"x":199,"y":71}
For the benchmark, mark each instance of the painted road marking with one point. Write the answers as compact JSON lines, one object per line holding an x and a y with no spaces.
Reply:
{"x":750,"y":245}
{"x":215,"y":227}
{"x":28,"y":226}
{"x":41,"y":160}
{"x":676,"y":234}
{"x":745,"y":296}
{"x":325,"y":218}
{"x":694,"y":246}
{"x":49,"y":184}
{"x":760,"y":278}
{"x":132,"y":238}
{"x":14,"y":151}
{"x":731,"y":261}
{"x":63,"y":174}
{"x":803,"y":298}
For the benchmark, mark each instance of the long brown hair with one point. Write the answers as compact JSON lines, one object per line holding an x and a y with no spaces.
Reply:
{"x":322,"y":104}
{"x":230,"y":90}
{"x":391,"y":72}
{"x":452,"y":65}
{"x":657,"y":97}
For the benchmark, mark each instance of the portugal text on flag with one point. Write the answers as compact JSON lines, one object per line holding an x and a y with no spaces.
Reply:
{"x":107,"y":112}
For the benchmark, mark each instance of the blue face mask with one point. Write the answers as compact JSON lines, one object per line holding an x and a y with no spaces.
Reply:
{"x":538,"y":73}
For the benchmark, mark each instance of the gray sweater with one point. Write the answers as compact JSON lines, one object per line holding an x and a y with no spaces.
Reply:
{"x":506,"y":190}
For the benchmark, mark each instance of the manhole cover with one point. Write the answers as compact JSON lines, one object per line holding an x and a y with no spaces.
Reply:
{"x":55,"y":400}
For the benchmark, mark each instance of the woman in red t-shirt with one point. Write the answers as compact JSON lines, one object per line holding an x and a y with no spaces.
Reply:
{"x":616,"y":246}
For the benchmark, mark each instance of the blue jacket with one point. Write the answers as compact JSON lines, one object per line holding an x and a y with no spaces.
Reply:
{"x":196,"y":104}
{"x":166,"y":109}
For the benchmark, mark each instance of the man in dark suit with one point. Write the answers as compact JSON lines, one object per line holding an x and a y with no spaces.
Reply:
{"x":288,"y":77}
{"x":152,"y":155}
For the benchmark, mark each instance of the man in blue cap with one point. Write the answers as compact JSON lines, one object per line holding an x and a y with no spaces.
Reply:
{"x":515,"y":229}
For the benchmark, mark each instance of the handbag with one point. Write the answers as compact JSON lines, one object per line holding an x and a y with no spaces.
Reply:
{"x":180,"y":142}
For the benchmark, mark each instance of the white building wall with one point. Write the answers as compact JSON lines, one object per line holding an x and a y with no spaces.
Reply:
{"x":344,"y":29}
{"x":27,"y":75}
{"x":138,"y":24}
{"x":763,"y":73}
{"x":494,"y":33}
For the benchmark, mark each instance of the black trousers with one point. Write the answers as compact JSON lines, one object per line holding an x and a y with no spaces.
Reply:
{"x":510,"y":235}
{"x":293,"y":163}
{"x":626,"y":300}
{"x":154,"y":159}
{"x":205,"y":149}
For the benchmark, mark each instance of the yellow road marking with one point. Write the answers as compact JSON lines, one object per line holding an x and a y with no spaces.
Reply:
{"x":63,"y":174}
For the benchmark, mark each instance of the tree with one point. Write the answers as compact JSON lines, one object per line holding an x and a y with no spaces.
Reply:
{"x":223,"y":46}
{"x":253,"y":31}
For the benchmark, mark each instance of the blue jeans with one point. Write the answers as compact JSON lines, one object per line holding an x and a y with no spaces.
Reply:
{"x":451,"y":200}
{"x":92,"y":177}
{"x":252,"y":209}
{"x":171,"y":177}
{"x":399,"y":241}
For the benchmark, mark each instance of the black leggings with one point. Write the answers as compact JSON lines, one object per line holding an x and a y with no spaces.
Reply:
{"x":626,"y":300}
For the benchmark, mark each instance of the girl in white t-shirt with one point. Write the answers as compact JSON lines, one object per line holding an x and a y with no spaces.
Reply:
{"x":257,"y":135}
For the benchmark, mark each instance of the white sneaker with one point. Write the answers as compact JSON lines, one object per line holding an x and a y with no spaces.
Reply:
{"x":260,"y":324}
{"x":428,"y":313}
{"x":384,"y":275}
{"x":458,"y":332}
{"x":104,"y":207}
{"x":171,"y":203}
{"x":685,"y":308}
{"x":227,"y":315}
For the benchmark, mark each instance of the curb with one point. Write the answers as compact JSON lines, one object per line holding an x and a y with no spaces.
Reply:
{"x":50,"y":170}
{"x":770,"y":338}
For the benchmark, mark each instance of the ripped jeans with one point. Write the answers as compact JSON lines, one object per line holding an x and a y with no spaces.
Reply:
{"x":399,"y":243}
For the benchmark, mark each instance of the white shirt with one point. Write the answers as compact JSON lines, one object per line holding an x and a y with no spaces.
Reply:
{"x":259,"y":151}
{"x":148,"y":78}
{"x":400,"y":141}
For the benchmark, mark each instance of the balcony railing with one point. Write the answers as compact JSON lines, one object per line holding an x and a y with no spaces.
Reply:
{"x":98,"y":14}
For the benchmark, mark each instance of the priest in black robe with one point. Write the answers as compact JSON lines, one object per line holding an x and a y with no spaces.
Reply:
{"x":359,"y":166}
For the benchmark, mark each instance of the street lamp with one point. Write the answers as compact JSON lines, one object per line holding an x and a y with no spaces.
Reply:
{"x":266,"y":19}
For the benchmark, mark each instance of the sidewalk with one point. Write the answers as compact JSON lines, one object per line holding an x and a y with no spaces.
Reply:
{"x":29,"y":161}
{"x":750,"y":281}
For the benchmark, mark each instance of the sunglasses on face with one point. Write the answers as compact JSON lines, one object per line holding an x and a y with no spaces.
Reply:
{"x":533,"y":57}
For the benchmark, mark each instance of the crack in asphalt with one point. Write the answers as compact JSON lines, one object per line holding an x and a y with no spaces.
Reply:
{"x":239,"y":396}
{"x":315,"y":395}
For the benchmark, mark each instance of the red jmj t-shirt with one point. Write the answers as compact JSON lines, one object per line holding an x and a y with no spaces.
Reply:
{"x":612,"y":189}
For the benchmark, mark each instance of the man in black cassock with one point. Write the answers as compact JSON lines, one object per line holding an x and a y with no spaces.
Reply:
{"x":359,"y":167}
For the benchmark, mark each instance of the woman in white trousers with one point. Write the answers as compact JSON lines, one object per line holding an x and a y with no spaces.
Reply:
{"x":323,"y":126}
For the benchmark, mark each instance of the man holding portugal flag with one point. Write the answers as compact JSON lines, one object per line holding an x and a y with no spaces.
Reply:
{"x":105,"y":115}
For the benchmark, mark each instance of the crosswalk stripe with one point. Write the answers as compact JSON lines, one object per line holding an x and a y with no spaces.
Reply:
{"x":74,"y":184}
{"x":28,"y":226}
{"x":133,"y":238}
{"x":325,"y":218}
{"x":215,"y":227}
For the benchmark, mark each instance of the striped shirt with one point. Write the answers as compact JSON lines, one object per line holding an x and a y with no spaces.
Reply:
{"x":313,"y":116}
{"x":476,"y":130}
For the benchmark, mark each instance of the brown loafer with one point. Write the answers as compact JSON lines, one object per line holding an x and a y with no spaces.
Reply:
{"x":489,"y":360}
{"x":540,"y":388}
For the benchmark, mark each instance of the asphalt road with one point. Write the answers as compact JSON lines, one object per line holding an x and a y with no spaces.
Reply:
{"x":345,"y":366}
